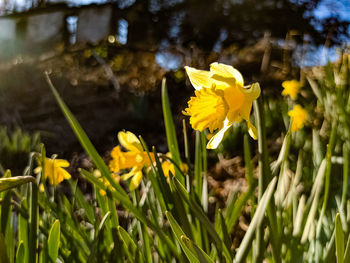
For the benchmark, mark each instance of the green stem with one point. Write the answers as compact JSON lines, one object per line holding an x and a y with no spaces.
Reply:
{"x":345,"y":174}
{"x":264,"y":180}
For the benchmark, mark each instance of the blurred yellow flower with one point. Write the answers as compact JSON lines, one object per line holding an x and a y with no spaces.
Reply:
{"x":54,"y":171}
{"x":220,"y":100}
{"x":168,"y":167}
{"x":291,"y":88}
{"x":298,"y":116}
{"x":135,"y":159}
{"x":106,"y":183}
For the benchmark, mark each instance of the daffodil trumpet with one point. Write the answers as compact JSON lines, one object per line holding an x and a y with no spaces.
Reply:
{"x":220,"y":100}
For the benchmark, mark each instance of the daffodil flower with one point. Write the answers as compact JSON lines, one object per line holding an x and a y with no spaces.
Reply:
{"x":298,"y":116}
{"x":220,"y":100}
{"x":134,"y":159}
{"x":168,"y":167}
{"x":291,"y":88}
{"x":54,"y":171}
{"x":106,"y":183}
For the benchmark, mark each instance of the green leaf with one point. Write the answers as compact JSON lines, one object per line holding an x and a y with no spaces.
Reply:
{"x":170,"y":130}
{"x":82,"y":203}
{"x":3,"y":251}
{"x":202,"y":256}
{"x":85,"y":141}
{"x":20,"y":256}
{"x":225,"y":234}
{"x":315,"y":89}
{"x":103,"y":221}
{"x":23,"y":235}
{"x":178,"y":234}
{"x":339,"y":239}
{"x":256,"y":221}
{"x":33,"y":216}
{"x":132,"y":249}
{"x":8,"y":183}
{"x":5,"y":211}
{"x":119,"y":194}
{"x":53,"y":240}
{"x":202,"y":217}
{"x":347,"y":251}
{"x":314,"y":198}
{"x":198,"y":165}
{"x":231,"y":218}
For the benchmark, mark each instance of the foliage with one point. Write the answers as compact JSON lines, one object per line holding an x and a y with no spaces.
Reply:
{"x":15,"y":147}
{"x":167,"y":219}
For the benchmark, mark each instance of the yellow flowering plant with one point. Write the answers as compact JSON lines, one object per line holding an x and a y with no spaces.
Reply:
{"x":179,"y":220}
{"x":54,"y":171}
{"x":291,"y":88}
{"x":134,"y":159}
{"x":298,"y":117}
{"x":220,"y":100}
{"x":169,"y":167}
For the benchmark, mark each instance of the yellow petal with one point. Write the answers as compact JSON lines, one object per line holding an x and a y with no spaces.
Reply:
{"x":61,"y":163}
{"x":37,"y":170}
{"x":133,"y":172}
{"x":42,"y":188}
{"x":217,"y":138}
{"x":129,"y":141}
{"x":199,"y":78}
{"x":65,"y":174}
{"x":168,"y":168}
{"x":227,"y":72}
{"x":253,"y":92}
{"x":135,"y":181}
{"x":245,"y":110}
{"x":252,"y":131}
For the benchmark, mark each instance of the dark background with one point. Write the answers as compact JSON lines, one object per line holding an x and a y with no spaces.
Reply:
{"x":107,"y":59}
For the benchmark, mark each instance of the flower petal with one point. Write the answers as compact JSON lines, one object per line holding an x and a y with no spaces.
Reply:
{"x":133,"y":172}
{"x":217,"y":138}
{"x":65,"y":174}
{"x":61,"y":162}
{"x":252,"y":131}
{"x":129,"y":141}
{"x":135,"y":181}
{"x":253,"y":92}
{"x":245,"y":109}
{"x":227,"y":72}
{"x":199,"y":78}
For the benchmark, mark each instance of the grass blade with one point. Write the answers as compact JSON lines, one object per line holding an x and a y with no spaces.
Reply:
{"x":256,"y":221}
{"x":8,"y":183}
{"x":53,"y":240}
{"x":179,"y":234}
{"x":170,"y":130}
{"x":202,"y":256}
{"x":20,"y":257}
{"x":339,"y":239}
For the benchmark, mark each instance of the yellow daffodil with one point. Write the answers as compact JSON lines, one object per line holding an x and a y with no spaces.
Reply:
{"x":54,"y":171}
{"x":135,"y":159}
{"x":168,"y":167}
{"x":220,"y":100}
{"x":298,"y":116}
{"x":291,"y":88}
